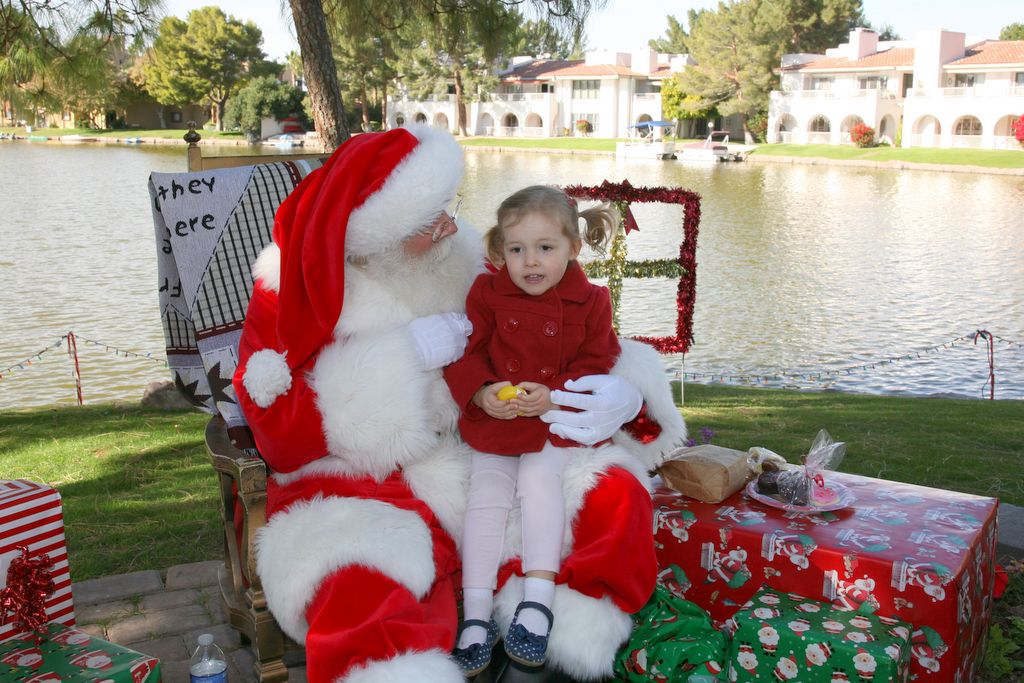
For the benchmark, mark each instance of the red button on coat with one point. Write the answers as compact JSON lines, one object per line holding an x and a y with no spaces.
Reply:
{"x":511,"y":325}
{"x":547,"y":372}
{"x":512,"y":365}
{"x":550,"y":328}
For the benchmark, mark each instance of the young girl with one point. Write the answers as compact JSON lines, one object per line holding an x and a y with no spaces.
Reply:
{"x":537,"y":323}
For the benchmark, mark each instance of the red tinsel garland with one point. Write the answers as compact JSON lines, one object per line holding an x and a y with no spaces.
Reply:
{"x":29,"y":583}
{"x":687,"y":290}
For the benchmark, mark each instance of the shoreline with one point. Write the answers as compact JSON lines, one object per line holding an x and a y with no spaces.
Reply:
{"x":882,"y":165}
{"x":752,"y":157}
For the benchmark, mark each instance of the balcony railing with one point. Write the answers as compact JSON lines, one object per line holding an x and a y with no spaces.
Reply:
{"x":822,"y":138}
{"x":971,"y":141}
{"x":985,"y":90}
{"x":533,"y":131}
{"x":508,"y":131}
{"x":925,"y":140}
{"x":521,"y":96}
{"x":840,"y":94}
{"x":1006,"y":142}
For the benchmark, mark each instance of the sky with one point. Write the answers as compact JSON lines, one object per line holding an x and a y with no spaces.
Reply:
{"x":625,"y":25}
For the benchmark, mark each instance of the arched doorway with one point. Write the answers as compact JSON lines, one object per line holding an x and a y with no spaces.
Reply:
{"x":533,"y":126}
{"x":1005,"y":137}
{"x":485,"y":126}
{"x":819,"y":130}
{"x":785,"y":128}
{"x":399,"y":119}
{"x":846,"y":126}
{"x":926,"y":132}
{"x":967,"y":132}
{"x":420,"y":117}
{"x":887,"y":130}
{"x":510,"y":125}
{"x":441,"y":120}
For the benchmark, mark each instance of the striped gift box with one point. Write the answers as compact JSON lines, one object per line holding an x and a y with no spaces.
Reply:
{"x":30,"y":516}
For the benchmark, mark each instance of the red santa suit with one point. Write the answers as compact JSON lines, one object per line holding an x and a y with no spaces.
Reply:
{"x":369,"y":475}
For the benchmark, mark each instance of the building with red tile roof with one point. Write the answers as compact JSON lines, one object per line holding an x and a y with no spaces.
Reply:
{"x":541,"y":97}
{"x":933,"y":91}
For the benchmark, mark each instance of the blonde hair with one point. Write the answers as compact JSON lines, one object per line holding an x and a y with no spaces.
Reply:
{"x":601,"y":220}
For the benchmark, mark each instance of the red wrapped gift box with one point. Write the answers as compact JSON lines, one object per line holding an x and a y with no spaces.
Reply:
{"x":922,"y":555}
{"x":30,"y":516}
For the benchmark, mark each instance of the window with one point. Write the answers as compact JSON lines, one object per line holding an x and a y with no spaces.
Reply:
{"x":548,"y":87}
{"x":1018,"y":78}
{"x":872,"y":82}
{"x":968,"y":125}
{"x":175,"y":117}
{"x":908,"y":83}
{"x":647,"y":87}
{"x":819,"y":83}
{"x":586,"y":90}
{"x":967,"y":80}
{"x":590,"y":118}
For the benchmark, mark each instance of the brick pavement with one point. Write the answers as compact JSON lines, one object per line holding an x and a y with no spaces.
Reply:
{"x":162,"y":614}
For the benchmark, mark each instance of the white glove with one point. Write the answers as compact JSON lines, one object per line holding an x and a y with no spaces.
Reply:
{"x":612,"y":403}
{"x":440,"y":339}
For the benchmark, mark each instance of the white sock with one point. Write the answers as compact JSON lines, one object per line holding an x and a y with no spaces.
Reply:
{"x":477,"y":603}
{"x":540,"y":590}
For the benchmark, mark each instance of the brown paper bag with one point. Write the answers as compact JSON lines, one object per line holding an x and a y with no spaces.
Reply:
{"x":708,"y":473}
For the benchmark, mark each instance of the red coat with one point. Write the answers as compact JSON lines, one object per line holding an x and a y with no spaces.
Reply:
{"x":563,"y":334}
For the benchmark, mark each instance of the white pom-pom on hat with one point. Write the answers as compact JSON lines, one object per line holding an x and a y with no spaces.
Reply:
{"x":266,"y":377}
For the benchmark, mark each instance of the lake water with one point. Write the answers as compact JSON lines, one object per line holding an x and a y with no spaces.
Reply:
{"x":808,"y":276}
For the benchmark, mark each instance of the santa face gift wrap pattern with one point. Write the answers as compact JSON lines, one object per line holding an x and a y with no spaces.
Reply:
{"x":72,"y":656}
{"x":31,"y":517}
{"x":787,"y":637}
{"x":921,"y":555}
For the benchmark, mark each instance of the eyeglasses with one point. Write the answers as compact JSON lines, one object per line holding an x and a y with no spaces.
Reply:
{"x":454,"y":213}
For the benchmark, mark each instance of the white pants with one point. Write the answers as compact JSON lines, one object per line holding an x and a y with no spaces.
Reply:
{"x":536,"y":478}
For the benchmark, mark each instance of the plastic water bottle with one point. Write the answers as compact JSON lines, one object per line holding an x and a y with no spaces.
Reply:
{"x":208,"y":664}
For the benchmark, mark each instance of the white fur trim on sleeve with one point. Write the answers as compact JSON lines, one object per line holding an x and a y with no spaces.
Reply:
{"x":432,"y":666}
{"x":267,"y":268}
{"x":430,"y":173}
{"x":267,"y":376}
{"x":644,"y":368}
{"x":585,"y":635}
{"x":302,"y":545}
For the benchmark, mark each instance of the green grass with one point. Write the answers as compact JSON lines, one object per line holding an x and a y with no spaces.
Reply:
{"x":988,"y":158}
{"x":137,"y":486}
{"x":139,"y":492}
{"x":961,"y":445}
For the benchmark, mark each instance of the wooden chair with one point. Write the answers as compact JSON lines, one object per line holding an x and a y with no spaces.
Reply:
{"x":241,"y":473}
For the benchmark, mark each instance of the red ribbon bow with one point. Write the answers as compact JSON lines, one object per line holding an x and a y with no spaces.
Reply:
{"x":29,"y":583}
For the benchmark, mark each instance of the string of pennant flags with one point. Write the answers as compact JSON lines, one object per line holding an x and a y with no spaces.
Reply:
{"x":817,"y":376}
{"x":71,"y":340}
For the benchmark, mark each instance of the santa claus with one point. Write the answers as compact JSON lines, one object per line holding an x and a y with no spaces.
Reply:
{"x":354,"y":313}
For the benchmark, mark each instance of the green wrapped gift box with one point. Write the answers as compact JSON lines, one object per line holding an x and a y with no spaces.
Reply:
{"x":73,"y":656}
{"x":786,"y":637}
{"x":672,"y":640}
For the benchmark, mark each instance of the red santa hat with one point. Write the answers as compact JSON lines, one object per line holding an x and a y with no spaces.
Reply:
{"x":372,"y":193}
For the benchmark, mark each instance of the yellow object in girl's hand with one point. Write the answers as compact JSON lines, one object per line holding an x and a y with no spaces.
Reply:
{"x":507,"y":393}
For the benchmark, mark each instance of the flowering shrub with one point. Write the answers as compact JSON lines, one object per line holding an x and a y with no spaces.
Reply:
{"x":1018,"y":129}
{"x":863,"y":135}
{"x":584,"y":126}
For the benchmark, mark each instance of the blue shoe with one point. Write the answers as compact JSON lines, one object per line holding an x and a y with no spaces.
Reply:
{"x":475,"y":658}
{"x":523,"y":646}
